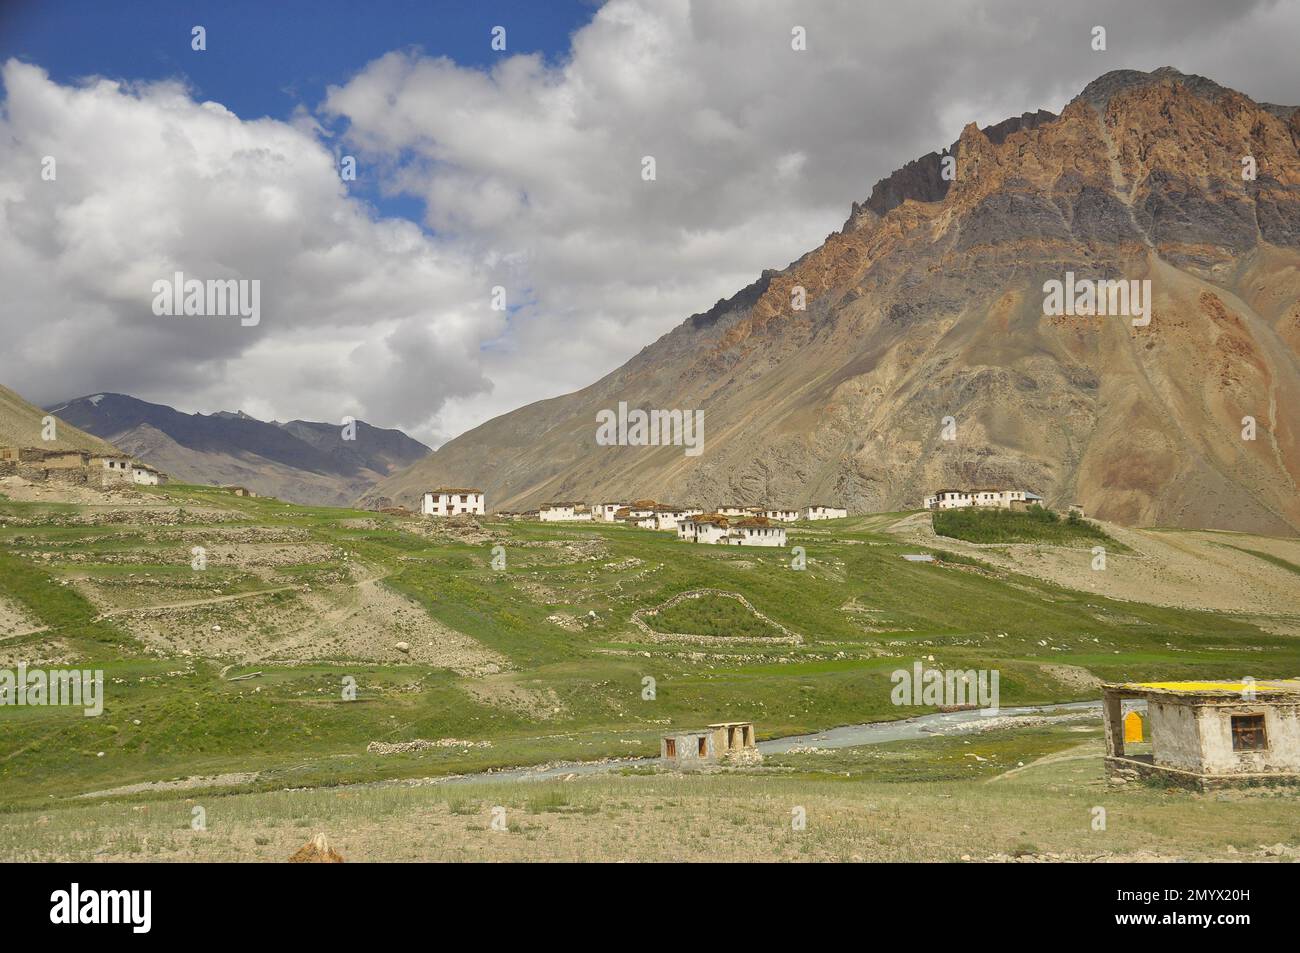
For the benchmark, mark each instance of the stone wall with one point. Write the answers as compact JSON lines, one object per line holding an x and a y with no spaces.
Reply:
{"x":687,"y":749}
{"x":1173,"y":728}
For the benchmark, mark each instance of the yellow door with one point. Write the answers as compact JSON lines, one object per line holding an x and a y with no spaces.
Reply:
{"x":1132,"y":727}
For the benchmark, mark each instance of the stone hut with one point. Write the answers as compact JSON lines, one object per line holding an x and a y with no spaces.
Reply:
{"x":725,"y":742}
{"x":112,"y":468}
{"x":1205,"y":735}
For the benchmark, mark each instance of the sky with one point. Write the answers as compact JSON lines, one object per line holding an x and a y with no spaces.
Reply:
{"x":500,"y":243}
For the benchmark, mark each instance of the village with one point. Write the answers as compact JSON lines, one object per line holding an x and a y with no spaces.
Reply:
{"x":733,"y":525}
{"x":730,"y":524}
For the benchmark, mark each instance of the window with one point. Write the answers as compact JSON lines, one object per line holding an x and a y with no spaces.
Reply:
{"x":1248,"y":733}
{"x":703,"y":747}
{"x":670,"y":747}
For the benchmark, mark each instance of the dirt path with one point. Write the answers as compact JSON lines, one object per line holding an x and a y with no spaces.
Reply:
{"x":1077,"y":753}
{"x":192,"y":603}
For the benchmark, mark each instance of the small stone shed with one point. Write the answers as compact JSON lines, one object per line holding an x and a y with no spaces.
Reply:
{"x":1208,"y":734}
{"x":730,"y":741}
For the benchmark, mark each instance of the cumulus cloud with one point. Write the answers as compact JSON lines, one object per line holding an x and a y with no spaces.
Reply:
{"x":530,"y":175}
{"x":358,"y":315}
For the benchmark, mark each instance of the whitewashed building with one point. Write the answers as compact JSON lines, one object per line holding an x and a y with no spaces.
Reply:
{"x":604,"y":512}
{"x":704,"y":528}
{"x":564,"y":512}
{"x":985,"y":496}
{"x":718,"y":529}
{"x":453,"y":501}
{"x":638,"y":518}
{"x":820,"y":511}
{"x":778,"y":514}
{"x":1206,"y":734}
{"x":112,"y":469}
{"x":668,"y":517}
{"x":756,"y":531}
{"x":146,"y":475}
{"x":737,"y":511}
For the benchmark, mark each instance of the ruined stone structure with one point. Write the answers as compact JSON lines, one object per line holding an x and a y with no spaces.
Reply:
{"x":728,"y":741}
{"x":75,"y":467}
{"x":1207,"y":734}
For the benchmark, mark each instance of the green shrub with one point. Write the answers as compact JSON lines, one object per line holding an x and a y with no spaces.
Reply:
{"x":1033,"y":525}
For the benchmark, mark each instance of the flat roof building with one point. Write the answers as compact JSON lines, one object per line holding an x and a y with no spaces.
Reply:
{"x":1207,"y":734}
{"x":726,"y":741}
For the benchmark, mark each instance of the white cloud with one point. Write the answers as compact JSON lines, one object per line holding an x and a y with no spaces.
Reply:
{"x":359,"y":315}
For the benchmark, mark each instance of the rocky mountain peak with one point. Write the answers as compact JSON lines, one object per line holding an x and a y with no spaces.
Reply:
{"x":929,"y":305}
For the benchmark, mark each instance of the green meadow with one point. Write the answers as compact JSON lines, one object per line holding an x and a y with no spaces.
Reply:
{"x":557,"y":616}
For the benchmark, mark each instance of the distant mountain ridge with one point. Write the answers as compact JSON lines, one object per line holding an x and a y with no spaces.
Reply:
{"x":928,"y":305}
{"x":298,"y":461}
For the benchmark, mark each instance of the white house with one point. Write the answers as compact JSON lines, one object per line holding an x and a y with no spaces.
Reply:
{"x":604,"y":512}
{"x":638,"y":518}
{"x":704,"y":528}
{"x":146,"y":475}
{"x":780,"y":516}
{"x":756,"y":531}
{"x":985,"y":496}
{"x":114,"y":469}
{"x":450,"y":501}
{"x":668,"y":517}
{"x":947,"y":499}
{"x":820,"y":511}
{"x":734,"y":510}
{"x":564,"y":512}
{"x":718,"y":529}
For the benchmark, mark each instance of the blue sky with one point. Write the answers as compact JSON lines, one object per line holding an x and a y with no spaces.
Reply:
{"x":264,"y":58}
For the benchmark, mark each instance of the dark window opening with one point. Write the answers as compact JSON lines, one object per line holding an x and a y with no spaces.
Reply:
{"x":1248,"y":733}
{"x":670,"y":747}
{"x":704,"y":747}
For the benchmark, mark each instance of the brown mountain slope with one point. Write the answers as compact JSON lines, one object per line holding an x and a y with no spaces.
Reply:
{"x":929,"y":304}
{"x":21,"y":425}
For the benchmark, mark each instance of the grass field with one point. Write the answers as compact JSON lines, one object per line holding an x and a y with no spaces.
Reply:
{"x":1037,"y":795}
{"x":532,"y":663}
